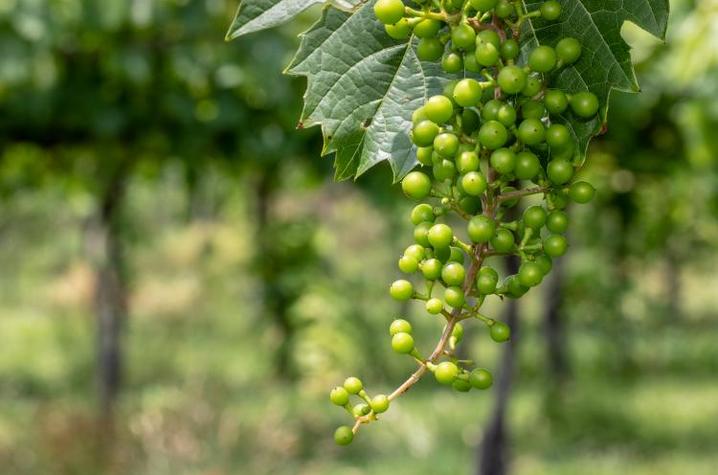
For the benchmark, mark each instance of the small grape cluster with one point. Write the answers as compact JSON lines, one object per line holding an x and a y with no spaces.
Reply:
{"x":484,"y":144}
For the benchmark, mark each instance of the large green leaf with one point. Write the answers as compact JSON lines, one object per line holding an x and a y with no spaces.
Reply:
{"x":256,"y":15}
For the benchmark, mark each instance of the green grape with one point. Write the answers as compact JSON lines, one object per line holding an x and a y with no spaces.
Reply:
{"x":421,"y":234}
{"x":452,"y":63}
{"x":415,"y":251}
{"x":507,"y":115}
{"x":439,"y":109}
{"x":504,"y":9}
{"x":467,"y":92}
{"x":542,"y":59}
{"x":401,"y":290}
{"x":399,"y":326}
{"x":503,"y":240}
{"x":584,"y":104}
{"x":453,"y":274}
{"x":454,"y":297}
{"x":469,"y":121}
{"x":486,"y":54}
{"x":480,"y":378}
{"x":500,"y":332}
{"x":487,"y":280}
{"x":431,"y":269}
{"x":361,"y":409}
{"x":418,"y":116}
{"x":389,"y":11}
{"x":339,"y":396}
{"x":558,"y":136}
{"x":510,"y":49}
{"x":416,"y":185}
{"x":470,"y":63}
{"x":557,"y":222}
{"x":555,"y":101}
{"x":470,"y":204}
{"x":474,"y":183}
{"x":551,"y":10}
{"x":399,"y":31}
{"x":534,"y":217}
{"x":493,"y":135}
{"x":434,"y":306}
{"x":512,"y":79}
{"x":429,"y":49}
{"x":353,"y":385}
{"x":446,"y":145}
{"x":559,"y":171}
{"x":530,"y":274}
{"x":533,"y":86}
{"x":461,"y":385}
{"x":458,"y":332}
{"x":446,"y":372}
{"x":533,"y":110}
{"x":568,"y":50}
{"x":489,"y":36}
{"x":555,"y":245}
{"x":408,"y":264}
{"x":444,"y":170}
{"x":379,"y":403}
{"x":427,"y":28}
{"x":457,"y":255}
{"x":463,"y":36}
{"x":423,"y":155}
{"x":581,"y":192}
{"x":440,"y":236}
{"x":515,"y":289}
{"x":544,"y":262}
{"x":531,"y":132}
{"x":424,"y":132}
{"x":503,"y":160}
{"x":483,"y":5}
{"x":467,"y":162}
{"x":343,"y":435}
{"x":402,"y":343}
{"x":422,"y":213}
{"x":481,"y":229}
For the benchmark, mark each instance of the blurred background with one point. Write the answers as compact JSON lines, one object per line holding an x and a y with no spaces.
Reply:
{"x":181,"y":282}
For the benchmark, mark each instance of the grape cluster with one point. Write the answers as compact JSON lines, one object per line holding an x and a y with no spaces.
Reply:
{"x":489,"y":140}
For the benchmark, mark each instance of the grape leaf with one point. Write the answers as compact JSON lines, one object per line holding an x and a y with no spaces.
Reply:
{"x":256,"y":15}
{"x":605,"y":63}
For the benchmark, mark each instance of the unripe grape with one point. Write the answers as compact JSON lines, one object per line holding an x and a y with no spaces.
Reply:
{"x":424,"y":132}
{"x":503,"y":240}
{"x":421,"y":234}
{"x":512,"y":79}
{"x":490,"y":110}
{"x":470,"y":63}
{"x":474,"y":183}
{"x":353,"y":385}
{"x":446,"y":145}
{"x":444,"y":170}
{"x":544,"y":262}
{"x":534,"y":217}
{"x":559,"y":171}
{"x":399,"y":326}
{"x":531,"y":132}
{"x":489,"y":36}
{"x":440,"y":236}
{"x":493,"y":135}
{"x":510,"y":49}
{"x":431,"y":269}
{"x":467,"y":92}
{"x":558,"y":136}
{"x":542,"y":59}
{"x":481,"y":229}
{"x":416,"y":185}
{"x":361,"y":409}
{"x":454,"y":297}
{"x":527,"y":166}
{"x":469,"y":121}
{"x":429,"y":49}
{"x":503,"y":160}
{"x":467,"y":162}
{"x":415,"y":251}
{"x":401,"y":290}
{"x":389,"y":11}
{"x":555,"y":245}
{"x":507,"y":115}
{"x":463,"y":36}
{"x":421,"y":213}
{"x":418,"y":116}
{"x":461,"y":385}
{"x":434,"y":306}
{"x":533,"y":86}
{"x":486,"y":54}
{"x":402,"y":343}
{"x":551,"y":10}
{"x":339,"y":396}
{"x":457,"y":255}
{"x":483,"y":5}
{"x":504,"y":9}
{"x":581,"y":192}
{"x":557,"y":222}
{"x":452,"y":63}
{"x":439,"y":109}
{"x":568,"y":50}
{"x":584,"y":104}
{"x":424,"y":155}
{"x":481,"y":378}
{"x":446,"y":372}
{"x":487,"y":280}
{"x":515,"y":289}
{"x":427,"y":28}
{"x":470,"y":204}
{"x":530,"y":274}
{"x":401,"y":30}
{"x":533,"y":110}
{"x":453,"y":274}
{"x":555,"y":101}
{"x":408,"y":264}
{"x":458,"y":332}
{"x":343,"y":435}
{"x":379,"y":403}
{"x":500,"y":332}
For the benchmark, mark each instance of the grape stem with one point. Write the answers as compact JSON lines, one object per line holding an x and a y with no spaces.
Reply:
{"x":521,"y":193}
